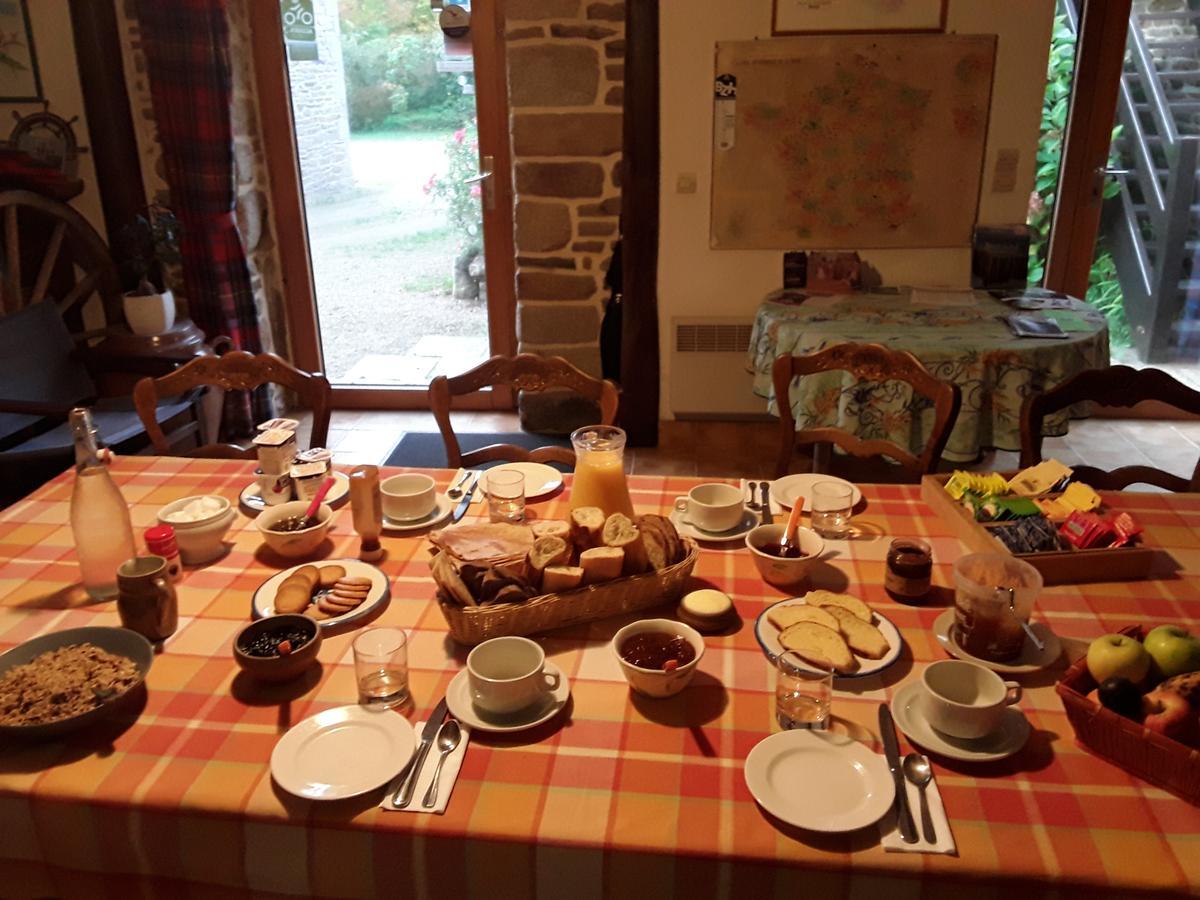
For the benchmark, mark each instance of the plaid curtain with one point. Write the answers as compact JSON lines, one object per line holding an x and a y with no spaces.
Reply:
{"x":186,"y":44}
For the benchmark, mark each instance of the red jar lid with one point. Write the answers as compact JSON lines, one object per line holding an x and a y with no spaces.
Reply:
{"x":160,"y":534}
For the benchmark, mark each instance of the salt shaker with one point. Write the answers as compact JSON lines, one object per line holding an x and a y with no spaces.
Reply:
{"x":366,"y":506}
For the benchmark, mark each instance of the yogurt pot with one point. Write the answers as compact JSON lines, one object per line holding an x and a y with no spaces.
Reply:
{"x":276,"y":448}
{"x":307,"y":478}
{"x":273,"y":424}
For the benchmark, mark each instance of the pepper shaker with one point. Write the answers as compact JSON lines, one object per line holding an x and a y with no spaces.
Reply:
{"x":366,"y":506}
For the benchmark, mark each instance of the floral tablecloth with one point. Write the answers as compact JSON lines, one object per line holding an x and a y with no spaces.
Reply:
{"x":960,"y":337}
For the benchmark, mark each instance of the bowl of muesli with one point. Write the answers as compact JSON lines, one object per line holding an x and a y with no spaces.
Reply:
{"x":55,"y":683}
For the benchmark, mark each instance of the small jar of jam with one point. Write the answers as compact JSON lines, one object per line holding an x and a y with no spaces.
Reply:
{"x":909,"y":570}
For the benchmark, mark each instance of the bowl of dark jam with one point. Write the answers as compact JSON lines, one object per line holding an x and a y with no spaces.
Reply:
{"x":277,"y":648}
{"x":658,"y":656}
{"x":783,"y":566}
{"x":288,"y":532}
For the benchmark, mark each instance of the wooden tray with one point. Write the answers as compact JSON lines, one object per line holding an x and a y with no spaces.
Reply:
{"x":1057,"y":566}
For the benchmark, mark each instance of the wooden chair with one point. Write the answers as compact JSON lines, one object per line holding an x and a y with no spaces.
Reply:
{"x":1114,"y":386}
{"x":525,"y":372}
{"x":869,"y":363}
{"x":236,"y":370}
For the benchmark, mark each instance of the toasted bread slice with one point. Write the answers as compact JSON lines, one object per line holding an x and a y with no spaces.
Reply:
{"x":863,"y":639}
{"x":783,"y":617}
{"x":819,"y":645}
{"x":846,"y":601}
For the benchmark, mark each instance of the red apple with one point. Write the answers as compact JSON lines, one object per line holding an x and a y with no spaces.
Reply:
{"x":1168,"y":714}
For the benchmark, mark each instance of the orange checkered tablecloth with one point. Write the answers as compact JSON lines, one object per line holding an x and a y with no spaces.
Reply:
{"x":622,"y":797}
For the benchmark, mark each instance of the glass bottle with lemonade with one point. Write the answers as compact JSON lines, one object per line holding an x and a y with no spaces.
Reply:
{"x":600,"y":470}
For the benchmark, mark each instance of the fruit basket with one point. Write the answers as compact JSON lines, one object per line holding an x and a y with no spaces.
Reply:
{"x":1163,"y":762}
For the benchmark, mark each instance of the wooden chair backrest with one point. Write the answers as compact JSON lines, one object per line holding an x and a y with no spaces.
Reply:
{"x":1113,"y":386}
{"x":875,"y":364}
{"x":236,"y":370}
{"x":525,"y":372}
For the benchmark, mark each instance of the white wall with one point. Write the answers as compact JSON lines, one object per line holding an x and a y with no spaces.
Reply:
{"x":54,"y":43}
{"x":696,"y":281}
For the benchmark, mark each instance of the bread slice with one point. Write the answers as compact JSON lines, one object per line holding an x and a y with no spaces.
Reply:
{"x":820,"y":646}
{"x":619,"y":531}
{"x":601,"y":564}
{"x":561,"y":578}
{"x":587,"y":527}
{"x":552,"y":528}
{"x":663,"y":546}
{"x":546,"y":552}
{"x":863,"y":639}
{"x":783,"y":617}
{"x":846,"y":601}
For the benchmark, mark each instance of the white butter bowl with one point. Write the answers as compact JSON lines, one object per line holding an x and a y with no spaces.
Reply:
{"x":200,"y":541}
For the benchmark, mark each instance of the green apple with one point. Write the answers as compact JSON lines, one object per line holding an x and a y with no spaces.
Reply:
{"x":1173,"y":650}
{"x":1117,"y":656}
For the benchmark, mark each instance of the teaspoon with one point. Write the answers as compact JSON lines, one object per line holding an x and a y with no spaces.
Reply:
{"x":918,"y":771}
{"x":456,"y":491}
{"x":448,"y":737}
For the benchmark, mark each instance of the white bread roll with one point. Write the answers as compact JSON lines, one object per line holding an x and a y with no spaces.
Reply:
{"x":601,"y":564}
{"x":561,"y":578}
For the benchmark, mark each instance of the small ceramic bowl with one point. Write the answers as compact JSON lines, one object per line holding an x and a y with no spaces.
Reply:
{"x":200,"y":541}
{"x":277,"y":668}
{"x":775,"y":570}
{"x":294,"y":544}
{"x":656,"y":682}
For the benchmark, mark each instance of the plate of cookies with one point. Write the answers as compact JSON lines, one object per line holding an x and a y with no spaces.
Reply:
{"x":332,"y":593}
{"x":830,"y":631}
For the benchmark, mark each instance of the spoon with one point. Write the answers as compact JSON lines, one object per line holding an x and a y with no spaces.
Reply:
{"x":789,"y":538}
{"x":456,"y":490}
{"x":310,"y":516}
{"x":753,"y":504}
{"x":448,"y":737}
{"x":1029,"y":632}
{"x":918,"y":771}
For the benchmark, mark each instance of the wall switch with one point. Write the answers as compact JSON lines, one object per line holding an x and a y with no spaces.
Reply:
{"x":685,"y":183}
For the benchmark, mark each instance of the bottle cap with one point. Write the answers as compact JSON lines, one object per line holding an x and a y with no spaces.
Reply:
{"x":159,"y":534}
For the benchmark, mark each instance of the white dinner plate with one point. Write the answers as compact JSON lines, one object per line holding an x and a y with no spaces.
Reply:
{"x":443,"y":508}
{"x":910,"y":718}
{"x":819,"y":780}
{"x":749,"y":521}
{"x":768,"y":639}
{"x":263,"y":602}
{"x":342,"y":752}
{"x":540,"y":479}
{"x":1031,"y":659}
{"x":462,"y":707}
{"x":337,"y":496}
{"x":785,"y":490}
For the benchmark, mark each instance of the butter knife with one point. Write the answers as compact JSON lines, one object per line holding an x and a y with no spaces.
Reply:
{"x":891,"y":749}
{"x":404,"y":795}
{"x":465,"y":503}
{"x":767,"y":518}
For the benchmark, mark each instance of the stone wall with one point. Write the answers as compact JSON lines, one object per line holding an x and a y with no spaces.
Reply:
{"x":319,"y":110}
{"x":565,"y":74}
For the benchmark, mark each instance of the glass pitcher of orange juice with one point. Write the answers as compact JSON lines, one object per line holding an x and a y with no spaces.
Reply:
{"x":600,"y":470}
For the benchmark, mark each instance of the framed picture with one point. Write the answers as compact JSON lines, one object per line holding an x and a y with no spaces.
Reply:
{"x":841,"y":16}
{"x":19,"y":78}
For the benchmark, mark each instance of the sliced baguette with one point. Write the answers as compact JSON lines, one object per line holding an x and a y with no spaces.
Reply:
{"x":819,"y":645}
{"x":546,"y":552}
{"x":864,"y":639}
{"x":587,"y":527}
{"x":783,"y":617}
{"x":561,"y":578}
{"x":846,"y":601}
{"x":619,"y":531}
{"x":552,"y":528}
{"x":601,"y":564}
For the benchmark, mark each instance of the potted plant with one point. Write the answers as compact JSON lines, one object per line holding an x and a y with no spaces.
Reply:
{"x":144,"y":247}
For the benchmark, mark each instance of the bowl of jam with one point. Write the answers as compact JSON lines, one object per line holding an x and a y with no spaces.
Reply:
{"x":658,"y":656}
{"x":782,"y":566}
{"x":287,"y":531}
{"x":277,"y":648}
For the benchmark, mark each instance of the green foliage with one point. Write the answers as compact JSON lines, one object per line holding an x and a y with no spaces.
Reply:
{"x":1104,"y":290}
{"x":465,"y":209}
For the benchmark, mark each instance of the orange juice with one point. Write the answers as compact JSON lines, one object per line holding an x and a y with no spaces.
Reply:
{"x":600,"y":470}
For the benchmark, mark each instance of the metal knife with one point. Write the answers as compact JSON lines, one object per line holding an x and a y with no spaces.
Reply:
{"x":767,"y":518}
{"x":465,"y":503}
{"x":891,"y":749}
{"x":404,"y":795}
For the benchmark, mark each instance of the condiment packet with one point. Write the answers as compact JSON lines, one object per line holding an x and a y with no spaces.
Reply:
{"x":1040,"y":478}
{"x":1085,"y":529}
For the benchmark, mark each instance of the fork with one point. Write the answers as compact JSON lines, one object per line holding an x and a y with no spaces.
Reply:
{"x":753,"y":504}
{"x":456,"y":490}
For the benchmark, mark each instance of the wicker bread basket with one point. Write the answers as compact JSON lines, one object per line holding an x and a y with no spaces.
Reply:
{"x":1163,"y":762}
{"x":474,"y":624}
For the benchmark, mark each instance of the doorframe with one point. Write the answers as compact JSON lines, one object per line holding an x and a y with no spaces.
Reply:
{"x":291,"y":227}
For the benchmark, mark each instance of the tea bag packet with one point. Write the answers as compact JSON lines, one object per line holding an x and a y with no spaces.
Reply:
{"x":1039,"y":479}
{"x":1002,"y":509}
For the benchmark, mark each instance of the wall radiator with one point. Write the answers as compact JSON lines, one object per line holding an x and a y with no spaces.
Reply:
{"x":708,"y":369}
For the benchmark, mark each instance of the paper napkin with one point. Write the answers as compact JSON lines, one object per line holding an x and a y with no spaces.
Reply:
{"x":477,"y":497}
{"x":776,"y":509}
{"x":425,"y":776}
{"x":890,"y":832}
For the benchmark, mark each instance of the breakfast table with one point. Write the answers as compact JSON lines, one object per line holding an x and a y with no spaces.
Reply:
{"x":618,"y":796}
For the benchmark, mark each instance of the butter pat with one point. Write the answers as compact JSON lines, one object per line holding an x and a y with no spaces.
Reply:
{"x":706,"y":609}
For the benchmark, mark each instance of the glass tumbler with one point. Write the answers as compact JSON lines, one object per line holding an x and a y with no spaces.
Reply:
{"x":831,"y":505}
{"x":381,"y":667}
{"x":506,"y":495}
{"x":803,"y":695}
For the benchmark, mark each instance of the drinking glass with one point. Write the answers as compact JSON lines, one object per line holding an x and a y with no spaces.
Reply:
{"x":802,"y":695}
{"x":381,"y":667}
{"x":506,"y":495}
{"x":831,"y":504}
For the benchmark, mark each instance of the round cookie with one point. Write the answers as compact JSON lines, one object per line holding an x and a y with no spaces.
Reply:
{"x":328,"y":576}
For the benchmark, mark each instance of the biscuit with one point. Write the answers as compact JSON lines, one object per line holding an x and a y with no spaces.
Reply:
{"x":353,"y":583}
{"x":328,"y":576}
{"x":292,"y":598}
{"x":315,"y":612}
{"x":326,"y":605}
{"x":309,"y":573}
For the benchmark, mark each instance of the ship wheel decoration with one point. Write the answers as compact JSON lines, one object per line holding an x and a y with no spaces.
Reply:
{"x":49,"y":139}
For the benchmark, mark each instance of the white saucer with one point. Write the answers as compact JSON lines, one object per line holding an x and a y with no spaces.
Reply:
{"x":342,"y":752}
{"x":749,"y":521}
{"x":768,"y":638}
{"x":785,"y":490}
{"x":819,"y":780}
{"x":1031,"y":659}
{"x":443,"y":508}
{"x":337,"y":496}
{"x":540,"y":479}
{"x":458,"y":701}
{"x":262,"y":604}
{"x":910,"y":717}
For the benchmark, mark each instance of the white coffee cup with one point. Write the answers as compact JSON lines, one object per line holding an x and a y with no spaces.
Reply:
{"x":712,"y":507}
{"x":965,"y":700}
{"x":408,"y":497}
{"x":506,"y":675}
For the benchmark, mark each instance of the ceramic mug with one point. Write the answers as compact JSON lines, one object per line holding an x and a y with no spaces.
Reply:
{"x":712,"y":507}
{"x":146,"y":599}
{"x":965,"y":700}
{"x":506,"y":674}
{"x":408,"y":497}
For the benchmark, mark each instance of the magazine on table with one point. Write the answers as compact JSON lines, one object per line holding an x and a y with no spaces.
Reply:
{"x":1034,"y":326}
